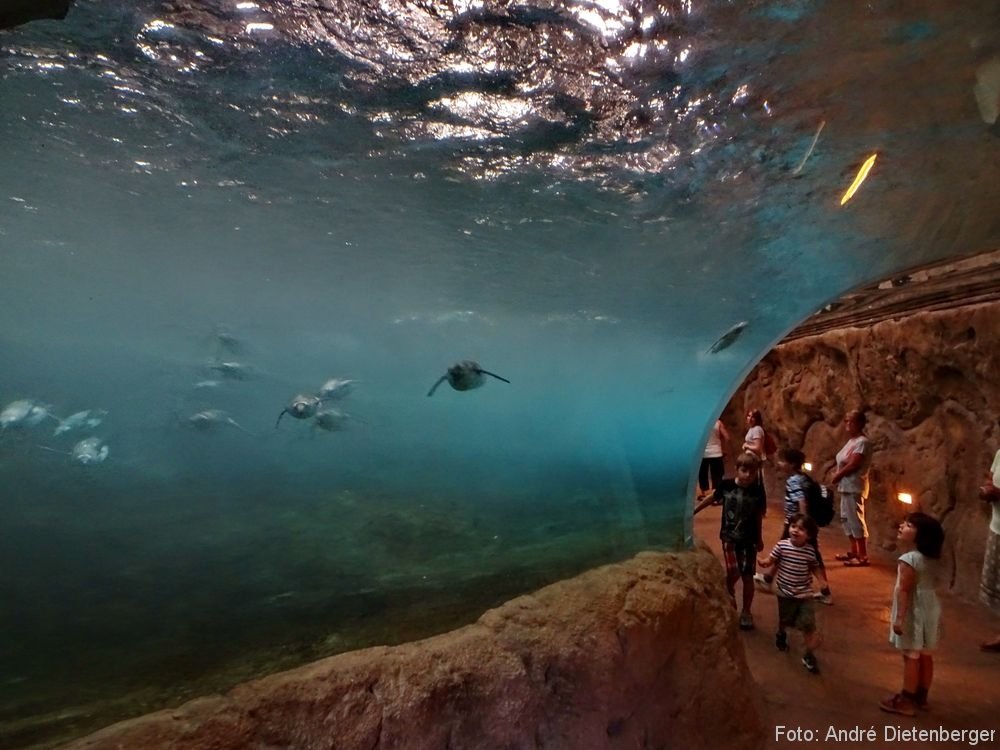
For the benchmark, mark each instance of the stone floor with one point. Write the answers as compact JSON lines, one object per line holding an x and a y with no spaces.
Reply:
{"x":858,"y":667}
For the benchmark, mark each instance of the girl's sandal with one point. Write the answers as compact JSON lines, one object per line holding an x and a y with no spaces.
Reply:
{"x":898,"y":704}
{"x":845,"y":556}
{"x":857,"y":563}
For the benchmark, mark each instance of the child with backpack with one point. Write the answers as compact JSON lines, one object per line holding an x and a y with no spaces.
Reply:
{"x":805,"y":496}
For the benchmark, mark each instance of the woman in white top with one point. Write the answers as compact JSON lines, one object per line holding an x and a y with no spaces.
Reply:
{"x":851,"y":478}
{"x":753,"y":442}
{"x":989,"y":584}
{"x":712,"y":461}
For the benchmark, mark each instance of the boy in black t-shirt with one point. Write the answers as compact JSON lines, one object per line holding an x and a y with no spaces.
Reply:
{"x":743,"y":508}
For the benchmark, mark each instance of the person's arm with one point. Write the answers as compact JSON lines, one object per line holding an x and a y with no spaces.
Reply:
{"x":854,"y":462}
{"x":907,"y":582}
{"x":820,"y":573}
{"x":754,"y":445}
{"x":724,"y":438}
{"x":797,"y":493}
{"x":767,"y":562}
{"x":703,"y":504}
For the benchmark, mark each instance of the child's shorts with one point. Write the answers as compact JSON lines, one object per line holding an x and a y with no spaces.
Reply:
{"x":799,"y":614}
{"x":741,"y":559}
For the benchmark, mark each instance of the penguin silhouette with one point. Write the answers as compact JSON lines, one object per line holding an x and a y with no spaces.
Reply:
{"x":465,"y":376}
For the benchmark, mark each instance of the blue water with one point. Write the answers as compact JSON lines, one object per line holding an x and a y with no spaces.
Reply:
{"x":176,"y":194}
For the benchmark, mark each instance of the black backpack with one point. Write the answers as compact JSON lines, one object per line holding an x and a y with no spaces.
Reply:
{"x":819,"y":503}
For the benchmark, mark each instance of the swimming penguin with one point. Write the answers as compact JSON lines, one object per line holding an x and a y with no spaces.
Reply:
{"x":728,"y":338}
{"x":301,"y":407}
{"x":15,"y":413}
{"x":26,"y":413}
{"x":464,"y":376}
{"x":232,"y":370}
{"x":86,"y":418}
{"x":331,"y":420}
{"x":209,"y":419}
{"x":90,"y":451}
{"x":335,"y":388}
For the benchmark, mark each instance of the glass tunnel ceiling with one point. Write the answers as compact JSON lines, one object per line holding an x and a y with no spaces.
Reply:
{"x":207,"y":208}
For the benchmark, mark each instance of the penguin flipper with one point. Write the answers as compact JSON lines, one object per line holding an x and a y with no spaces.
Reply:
{"x":435,"y":386}
{"x":279,"y":418}
{"x":493,"y":375}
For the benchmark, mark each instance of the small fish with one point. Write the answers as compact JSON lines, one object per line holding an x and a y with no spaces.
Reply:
{"x":301,"y":406}
{"x":335,"y":388}
{"x":728,"y":338}
{"x":464,"y":376}
{"x":90,"y":452}
{"x":204,"y":384}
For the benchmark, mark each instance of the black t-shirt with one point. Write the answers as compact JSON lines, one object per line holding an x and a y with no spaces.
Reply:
{"x":742,"y":511}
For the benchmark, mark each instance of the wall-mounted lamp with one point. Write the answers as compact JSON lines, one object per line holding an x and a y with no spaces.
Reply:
{"x":807,"y":466}
{"x":905,"y":498}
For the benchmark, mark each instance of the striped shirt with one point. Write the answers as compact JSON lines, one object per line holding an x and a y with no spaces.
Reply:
{"x":795,"y":491}
{"x":795,"y":566}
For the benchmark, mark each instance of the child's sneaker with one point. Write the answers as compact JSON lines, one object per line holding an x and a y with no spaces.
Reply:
{"x":781,"y":641}
{"x":746,"y":621}
{"x":824,"y":597}
{"x":809,"y":662}
{"x":761,"y":583}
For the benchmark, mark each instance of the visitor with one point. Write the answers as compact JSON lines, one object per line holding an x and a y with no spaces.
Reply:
{"x":713,"y":459}
{"x":755,"y":442}
{"x":796,"y":561}
{"x":740,"y":529}
{"x":916,"y":611}
{"x":797,"y":485}
{"x":989,"y":583}
{"x":851,"y":479}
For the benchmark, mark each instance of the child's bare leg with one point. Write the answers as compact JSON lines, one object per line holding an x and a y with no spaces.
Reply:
{"x":862,"y":548}
{"x":812,"y":640}
{"x":748,"y":590}
{"x":731,"y":586}
{"x":926,"y":678}
{"x":911,"y":675}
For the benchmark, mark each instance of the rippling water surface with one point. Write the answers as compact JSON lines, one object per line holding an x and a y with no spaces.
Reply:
{"x":208,"y":208}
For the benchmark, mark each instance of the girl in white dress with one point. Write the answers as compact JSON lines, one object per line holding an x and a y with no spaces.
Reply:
{"x":916,"y":611}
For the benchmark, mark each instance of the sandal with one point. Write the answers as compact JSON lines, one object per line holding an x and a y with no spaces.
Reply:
{"x":898,"y":704}
{"x":855,"y":562}
{"x":844,"y":556}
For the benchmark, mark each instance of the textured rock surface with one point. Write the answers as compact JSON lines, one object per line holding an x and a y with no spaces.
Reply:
{"x":628,"y":655}
{"x":929,"y":385}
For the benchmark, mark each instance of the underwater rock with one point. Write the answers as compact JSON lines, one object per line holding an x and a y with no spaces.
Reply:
{"x":464,"y":376}
{"x":635,"y":651}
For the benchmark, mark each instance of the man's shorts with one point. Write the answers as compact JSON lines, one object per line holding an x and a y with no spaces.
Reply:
{"x":741,"y":559}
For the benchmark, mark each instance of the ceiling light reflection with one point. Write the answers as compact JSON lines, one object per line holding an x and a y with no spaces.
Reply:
{"x":862,"y":174}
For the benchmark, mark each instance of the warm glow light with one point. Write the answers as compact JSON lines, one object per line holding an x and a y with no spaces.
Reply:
{"x":807,"y":466}
{"x":905,"y":498}
{"x":862,"y":174}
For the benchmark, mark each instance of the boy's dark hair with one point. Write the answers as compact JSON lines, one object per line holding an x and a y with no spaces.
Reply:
{"x":748,"y":459}
{"x":806,"y":522}
{"x":930,"y":535}
{"x":792,"y":456}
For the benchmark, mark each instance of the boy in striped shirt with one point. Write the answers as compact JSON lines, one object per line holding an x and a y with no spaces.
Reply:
{"x":796,"y":562}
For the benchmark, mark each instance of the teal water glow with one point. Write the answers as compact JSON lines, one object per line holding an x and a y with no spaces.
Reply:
{"x":179,"y":192}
